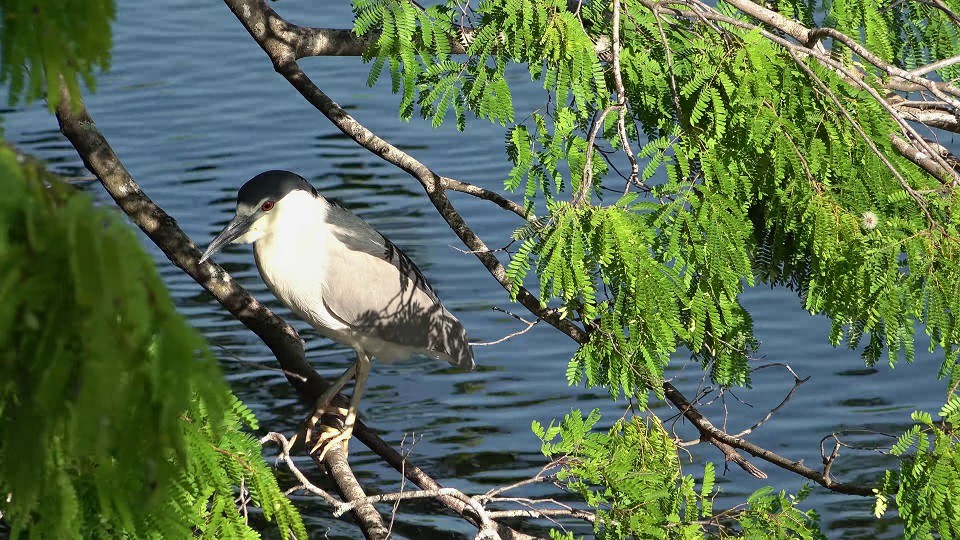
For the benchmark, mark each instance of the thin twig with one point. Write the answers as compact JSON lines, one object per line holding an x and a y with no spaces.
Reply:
{"x":622,"y":97}
{"x":486,"y":531}
{"x":940,"y":64}
{"x":473,"y":252}
{"x":403,"y":479}
{"x":305,"y":483}
{"x":797,"y":381}
{"x":243,"y":499}
{"x":538,"y":478}
{"x":237,"y":360}
{"x":587,"y":181}
{"x":582,"y":514}
{"x":530,"y":325}
{"x":669,"y":54}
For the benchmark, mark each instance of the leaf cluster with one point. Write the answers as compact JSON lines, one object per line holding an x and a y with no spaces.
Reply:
{"x":767,"y":171}
{"x":753,"y":167}
{"x":926,"y":487}
{"x":42,"y":41}
{"x":225,"y":478}
{"x":631,"y":475}
{"x":416,"y":43}
{"x":114,"y":418}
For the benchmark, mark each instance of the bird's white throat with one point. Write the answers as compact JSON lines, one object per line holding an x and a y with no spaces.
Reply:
{"x":299,"y":213}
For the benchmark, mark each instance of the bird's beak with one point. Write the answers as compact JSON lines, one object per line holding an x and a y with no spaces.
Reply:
{"x":236,"y":228}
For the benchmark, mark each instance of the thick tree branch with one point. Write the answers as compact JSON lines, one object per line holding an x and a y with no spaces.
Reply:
{"x":335,"y":42}
{"x":280,"y":337}
{"x":929,"y":116}
{"x":100,"y":159}
{"x":921,"y":159}
{"x":368,"y":517}
{"x":773,"y":19}
{"x":281,"y":53}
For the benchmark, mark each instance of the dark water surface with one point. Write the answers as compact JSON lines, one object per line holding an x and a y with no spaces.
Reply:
{"x":194,"y":108}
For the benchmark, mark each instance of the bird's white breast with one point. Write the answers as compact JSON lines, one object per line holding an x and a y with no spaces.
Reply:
{"x":293,"y":261}
{"x":294,"y":257}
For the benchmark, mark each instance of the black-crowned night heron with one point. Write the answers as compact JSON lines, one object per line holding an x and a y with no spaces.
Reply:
{"x":336,"y":272}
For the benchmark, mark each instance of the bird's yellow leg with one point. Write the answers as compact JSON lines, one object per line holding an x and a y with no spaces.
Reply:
{"x":329,"y":438}
{"x":323,"y":404}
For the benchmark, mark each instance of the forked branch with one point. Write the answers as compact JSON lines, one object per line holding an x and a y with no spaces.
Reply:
{"x":280,"y":337}
{"x":281,"y":50}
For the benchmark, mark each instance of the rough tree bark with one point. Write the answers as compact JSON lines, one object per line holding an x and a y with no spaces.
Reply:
{"x":280,"y":40}
{"x":285,"y":43}
{"x":280,"y":337}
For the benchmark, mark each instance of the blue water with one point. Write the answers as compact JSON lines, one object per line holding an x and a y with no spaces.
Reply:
{"x":193,"y":108}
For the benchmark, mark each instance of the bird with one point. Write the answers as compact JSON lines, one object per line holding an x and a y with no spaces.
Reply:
{"x":335,"y":271}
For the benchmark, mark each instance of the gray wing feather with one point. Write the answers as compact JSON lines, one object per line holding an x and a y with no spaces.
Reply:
{"x":374,"y":287}
{"x":358,"y":235}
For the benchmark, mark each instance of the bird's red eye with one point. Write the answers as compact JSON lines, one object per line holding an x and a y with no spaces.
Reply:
{"x":267,"y":206}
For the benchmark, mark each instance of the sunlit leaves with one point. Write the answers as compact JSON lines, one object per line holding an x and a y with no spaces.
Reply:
{"x":223,"y":459}
{"x":416,"y":42}
{"x":114,"y":419}
{"x":927,"y":485}
{"x":753,"y":167}
{"x":631,"y":475}
{"x":42,"y":41}
{"x":92,"y":352}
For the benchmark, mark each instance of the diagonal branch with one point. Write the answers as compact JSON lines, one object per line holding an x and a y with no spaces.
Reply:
{"x":712,"y":433}
{"x":485,"y":194}
{"x":281,"y":53}
{"x":275,"y":37}
{"x":99,"y":158}
{"x":280,"y":337}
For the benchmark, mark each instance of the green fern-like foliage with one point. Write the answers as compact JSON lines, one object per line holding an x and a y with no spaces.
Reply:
{"x":753,"y":167}
{"x":926,"y":488}
{"x":114,"y":418}
{"x":96,"y":363}
{"x":42,"y":41}
{"x":771,"y":514}
{"x":759,"y":174}
{"x":416,"y":43}
{"x":632,"y":475}
{"x":225,"y":479}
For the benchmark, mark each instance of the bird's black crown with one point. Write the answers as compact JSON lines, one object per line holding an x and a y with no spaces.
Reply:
{"x":273,"y":185}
